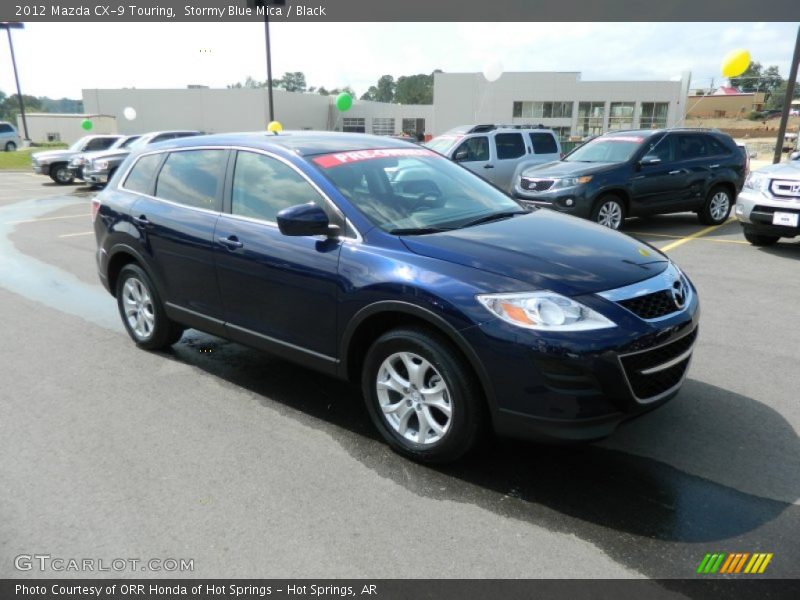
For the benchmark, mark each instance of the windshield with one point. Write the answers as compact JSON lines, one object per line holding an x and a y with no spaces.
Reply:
{"x":607,"y":149}
{"x":127,"y":142}
{"x":78,"y":146}
{"x":414,"y":191}
{"x":442,"y":143}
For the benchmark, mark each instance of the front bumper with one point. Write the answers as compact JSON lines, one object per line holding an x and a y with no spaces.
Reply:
{"x":572,"y":200}
{"x":755,"y":211}
{"x":96,"y":177}
{"x":41,"y":169}
{"x":582,"y":385}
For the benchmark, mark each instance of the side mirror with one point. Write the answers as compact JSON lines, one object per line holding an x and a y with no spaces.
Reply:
{"x":795,"y":155}
{"x":650,"y":160}
{"x":461,"y":155}
{"x":305,"y":219}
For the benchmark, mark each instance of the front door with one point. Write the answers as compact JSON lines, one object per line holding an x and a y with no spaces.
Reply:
{"x":279,"y":292}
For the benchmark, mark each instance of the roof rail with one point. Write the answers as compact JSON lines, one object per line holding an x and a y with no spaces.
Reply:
{"x":486,"y":127}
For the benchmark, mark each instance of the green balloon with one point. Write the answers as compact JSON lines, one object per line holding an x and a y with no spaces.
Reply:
{"x":87,"y":124}
{"x":344,"y":101}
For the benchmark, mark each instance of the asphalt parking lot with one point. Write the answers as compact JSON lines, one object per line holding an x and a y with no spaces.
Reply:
{"x":254,"y":467}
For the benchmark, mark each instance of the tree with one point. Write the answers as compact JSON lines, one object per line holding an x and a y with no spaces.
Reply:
{"x":414,"y":89}
{"x":370,"y":94}
{"x":292,"y":82}
{"x":322,"y":91}
{"x":776,"y":99}
{"x":758,"y":79}
{"x":385,"y":89}
{"x":10,"y":106}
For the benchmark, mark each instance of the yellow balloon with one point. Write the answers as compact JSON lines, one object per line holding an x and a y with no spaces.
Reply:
{"x":275,"y":127}
{"x":735,"y":63}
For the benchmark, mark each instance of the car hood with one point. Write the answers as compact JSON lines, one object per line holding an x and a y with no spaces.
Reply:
{"x":784,"y":170}
{"x":53,"y":154}
{"x":563,"y":168}
{"x":547,"y":250}
{"x":108,"y":154}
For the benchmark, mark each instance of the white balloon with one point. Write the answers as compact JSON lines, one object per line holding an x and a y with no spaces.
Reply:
{"x":130,"y":113}
{"x":493,"y":70}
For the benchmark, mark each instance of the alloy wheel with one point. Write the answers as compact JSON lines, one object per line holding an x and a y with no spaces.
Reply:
{"x":610,"y":215}
{"x":414,"y":398}
{"x":138,"y":305}
{"x":720,"y":206}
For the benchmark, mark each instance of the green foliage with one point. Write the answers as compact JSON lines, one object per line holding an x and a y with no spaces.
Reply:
{"x":291,"y":82}
{"x":776,"y":99}
{"x":758,"y":79}
{"x":9,"y":108}
{"x":414,"y":89}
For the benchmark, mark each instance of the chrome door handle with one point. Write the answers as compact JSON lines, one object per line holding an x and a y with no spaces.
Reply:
{"x":231,"y":242}
{"x":714,"y":167}
{"x":678,"y":172}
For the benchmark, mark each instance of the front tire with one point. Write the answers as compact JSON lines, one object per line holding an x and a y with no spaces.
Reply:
{"x":142,"y":311}
{"x":10,"y":146}
{"x":609,"y":212}
{"x":422,"y":397}
{"x":761,"y":240}
{"x":717,"y":207}
{"x":61,"y":174}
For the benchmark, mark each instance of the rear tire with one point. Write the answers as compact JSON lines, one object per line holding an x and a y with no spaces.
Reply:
{"x":609,"y":211}
{"x":760,"y":240}
{"x":61,"y":174}
{"x":422,"y":397}
{"x":717,"y":207}
{"x":10,"y":146}
{"x":142,"y":311}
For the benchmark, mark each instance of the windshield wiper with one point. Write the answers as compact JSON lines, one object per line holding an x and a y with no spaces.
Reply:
{"x":495,"y":217}
{"x":418,"y":230}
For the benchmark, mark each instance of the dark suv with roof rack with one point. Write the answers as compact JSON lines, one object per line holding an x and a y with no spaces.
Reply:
{"x":642,"y":172}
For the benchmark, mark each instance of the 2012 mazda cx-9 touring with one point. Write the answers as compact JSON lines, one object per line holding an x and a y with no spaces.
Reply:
{"x":457,"y":310}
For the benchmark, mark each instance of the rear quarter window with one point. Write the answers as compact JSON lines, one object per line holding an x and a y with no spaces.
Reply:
{"x":141,"y":177}
{"x":544,"y":143}
{"x":716,"y":147}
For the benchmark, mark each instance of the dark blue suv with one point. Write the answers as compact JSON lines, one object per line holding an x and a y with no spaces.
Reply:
{"x":457,"y":310}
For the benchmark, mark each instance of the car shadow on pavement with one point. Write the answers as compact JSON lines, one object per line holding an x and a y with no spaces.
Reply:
{"x":642,"y":511}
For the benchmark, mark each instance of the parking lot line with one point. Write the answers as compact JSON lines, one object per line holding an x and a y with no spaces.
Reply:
{"x":48,"y":219}
{"x":696,"y":234}
{"x":679,"y":237}
{"x":66,"y":235}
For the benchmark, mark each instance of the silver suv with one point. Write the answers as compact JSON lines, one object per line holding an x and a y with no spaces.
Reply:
{"x":768,"y":207}
{"x":498,"y":153}
{"x":9,"y":138}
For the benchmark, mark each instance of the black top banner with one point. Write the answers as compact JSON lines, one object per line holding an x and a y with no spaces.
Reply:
{"x":406,"y":11}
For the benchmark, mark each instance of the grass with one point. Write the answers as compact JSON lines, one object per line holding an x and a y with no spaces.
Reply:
{"x":19,"y":160}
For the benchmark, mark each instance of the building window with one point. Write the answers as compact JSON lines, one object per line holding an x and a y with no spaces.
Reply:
{"x":654,"y":115}
{"x":383,"y":126}
{"x":354,"y":125}
{"x":590,"y":118}
{"x":563,"y":133}
{"x":54,"y":137}
{"x":542,"y":110}
{"x":620,"y":115}
{"x":414,"y":127}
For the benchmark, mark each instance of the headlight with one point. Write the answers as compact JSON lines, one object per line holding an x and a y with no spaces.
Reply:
{"x":78,"y":161}
{"x":757,"y":181}
{"x":572,"y":181}
{"x":100,"y":165}
{"x":544,"y":311}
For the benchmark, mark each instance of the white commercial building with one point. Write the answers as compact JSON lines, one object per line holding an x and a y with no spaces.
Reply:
{"x":574,"y":108}
{"x":561,"y":101}
{"x":64,"y":127}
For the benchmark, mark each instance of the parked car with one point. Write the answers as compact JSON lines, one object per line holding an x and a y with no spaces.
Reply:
{"x":498,"y":153}
{"x":642,"y":172}
{"x":769,"y":206}
{"x":748,"y":154}
{"x":456,"y":309}
{"x":9,"y":138}
{"x":101,"y":167}
{"x":55,"y":163}
{"x":79,"y":160}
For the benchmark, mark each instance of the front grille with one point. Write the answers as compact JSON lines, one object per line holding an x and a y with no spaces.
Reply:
{"x":648,"y":386}
{"x":651,"y":306}
{"x":536,"y":185}
{"x":770,"y":210}
{"x":787,"y":188}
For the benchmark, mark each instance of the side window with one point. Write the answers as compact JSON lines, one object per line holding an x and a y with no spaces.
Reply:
{"x":474,"y":149}
{"x":140,"y":179}
{"x":99,"y":144}
{"x":544,"y":143}
{"x":5,"y":128}
{"x":192,"y":177}
{"x":715,"y":147}
{"x":264,"y":186}
{"x":662,"y":148}
{"x":691,"y":147}
{"x":509,"y":145}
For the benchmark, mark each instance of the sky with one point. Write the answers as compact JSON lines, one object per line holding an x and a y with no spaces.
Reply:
{"x":59,"y":60}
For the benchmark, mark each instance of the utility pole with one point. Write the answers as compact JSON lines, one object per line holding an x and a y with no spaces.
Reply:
{"x":269,"y":66}
{"x":787,"y":102}
{"x":8,"y":27}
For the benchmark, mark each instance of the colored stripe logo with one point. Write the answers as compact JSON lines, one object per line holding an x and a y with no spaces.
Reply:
{"x":736,"y":562}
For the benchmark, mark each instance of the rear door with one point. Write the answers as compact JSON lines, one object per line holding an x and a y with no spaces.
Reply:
{"x":695,"y":167}
{"x":176,"y":220}
{"x":278,"y":291}
{"x":509,"y":149}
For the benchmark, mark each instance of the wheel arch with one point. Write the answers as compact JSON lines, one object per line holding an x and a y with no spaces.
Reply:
{"x":118,"y":257}
{"x":376,"y":319}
